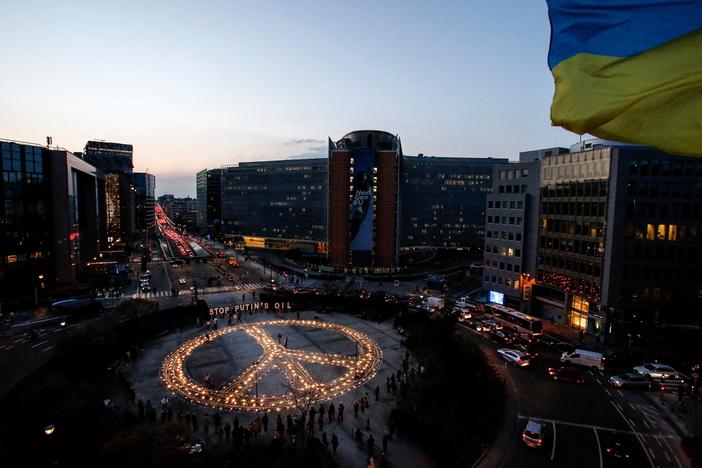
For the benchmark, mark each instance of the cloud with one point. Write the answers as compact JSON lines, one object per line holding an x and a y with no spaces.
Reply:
{"x":303,"y":141}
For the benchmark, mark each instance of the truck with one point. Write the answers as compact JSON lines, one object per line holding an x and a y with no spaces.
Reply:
{"x":433,"y":303}
{"x":583,"y":357}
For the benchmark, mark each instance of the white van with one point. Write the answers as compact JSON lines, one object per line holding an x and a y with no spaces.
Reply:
{"x":583,"y":357}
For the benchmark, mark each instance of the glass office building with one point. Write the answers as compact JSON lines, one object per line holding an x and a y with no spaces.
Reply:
{"x":276,"y":199}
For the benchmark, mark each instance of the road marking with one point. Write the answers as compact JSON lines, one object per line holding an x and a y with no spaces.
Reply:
{"x":620,"y":393}
{"x":646,"y":424}
{"x":598,"y":381}
{"x":3,"y":347}
{"x":667,"y":457}
{"x":39,"y":344}
{"x":48,"y":349}
{"x":9,"y":347}
{"x":608,"y":392}
{"x":675,"y":457}
{"x":588,"y":426}
{"x":619,"y":407}
{"x":632,"y":422}
{"x":591,"y":372}
{"x":599,"y":447}
{"x":19,"y":339}
{"x":653,"y":455}
{"x":553,"y":449}
{"x":638,"y":436}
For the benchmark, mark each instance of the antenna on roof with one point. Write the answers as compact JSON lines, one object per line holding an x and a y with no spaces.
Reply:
{"x":49,"y":141}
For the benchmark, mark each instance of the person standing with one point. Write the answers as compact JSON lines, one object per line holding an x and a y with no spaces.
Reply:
{"x":206,"y":424}
{"x":362,"y":403}
{"x":320,"y":420}
{"x":359,"y":438}
{"x":371,"y":444}
{"x":386,"y":438}
{"x":334,"y":442}
{"x":286,"y":342}
{"x":340,"y":416}
{"x":325,"y":441}
{"x":377,"y":392}
{"x":355,"y":409}
{"x":227,"y":431}
{"x":264,"y":420}
{"x":331,"y":412}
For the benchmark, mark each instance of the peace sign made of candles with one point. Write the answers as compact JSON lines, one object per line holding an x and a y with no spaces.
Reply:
{"x":302,"y":387}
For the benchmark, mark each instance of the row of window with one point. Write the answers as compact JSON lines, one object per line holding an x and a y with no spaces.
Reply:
{"x":573,"y":228}
{"x":663,"y":232}
{"x":676,"y":254}
{"x":499,"y":280}
{"x":658,"y":275}
{"x":591,"y":188}
{"x":512,"y":189}
{"x":682,"y":211}
{"x":656,"y":167}
{"x":516,"y":236}
{"x":570,"y":264}
{"x":591,"y":249}
{"x":665,"y":189}
{"x":508,"y":251}
{"x":504,"y":204}
{"x":502,"y":266}
{"x":517,"y":221}
{"x":513,"y":173}
{"x":573,"y":208}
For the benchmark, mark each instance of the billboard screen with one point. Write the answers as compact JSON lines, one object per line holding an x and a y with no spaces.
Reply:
{"x":361,"y":209}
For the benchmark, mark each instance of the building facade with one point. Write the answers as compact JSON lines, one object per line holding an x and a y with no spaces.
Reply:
{"x":114,"y":162}
{"x":49,"y":221}
{"x":511,"y":230}
{"x":182,"y":211}
{"x":144,"y":200}
{"x":364,"y":188}
{"x":443,"y":200}
{"x":209,"y":200}
{"x":619,"y":243}
{"x":275,"y":199}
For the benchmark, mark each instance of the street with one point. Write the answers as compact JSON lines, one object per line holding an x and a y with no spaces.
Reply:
{"x":581,"y":420}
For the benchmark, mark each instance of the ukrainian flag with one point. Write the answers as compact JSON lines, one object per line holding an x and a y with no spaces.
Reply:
{"x":629,"y":70}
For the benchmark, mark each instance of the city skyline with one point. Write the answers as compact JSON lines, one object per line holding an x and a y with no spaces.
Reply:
{"x":236,"y":83}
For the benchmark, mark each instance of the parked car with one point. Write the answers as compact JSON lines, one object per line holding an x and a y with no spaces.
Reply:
{"x":655,"y":370}
{"x":630,"y":380}
{"x":566,"y":374}
{"x":182,"y":281}
{"x":513,"y":356}
{"x":533,"y":434}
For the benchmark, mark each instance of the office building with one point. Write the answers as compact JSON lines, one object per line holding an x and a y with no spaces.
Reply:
{"x":275,"y":199}
{"x":620,"y":239}
{"x":182,"y":211}
{"x":511,"y":230}
{"x":144,"y":200}
{"x":209,"y":200}
{"x":364,"y":186}
{"x":48,"y":221}
{"x":115,"y":164}
{"x":443,"y":200}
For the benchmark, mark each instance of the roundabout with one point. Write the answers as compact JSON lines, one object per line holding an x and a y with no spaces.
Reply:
{"x":301,"y":387}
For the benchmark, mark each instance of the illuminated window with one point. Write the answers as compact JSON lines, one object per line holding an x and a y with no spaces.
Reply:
{"x":650,"y":232}
{"x":581,"y":304}
{"x":661,"y":232}
{"x":672,"y":232}
{"x":578,"y":320}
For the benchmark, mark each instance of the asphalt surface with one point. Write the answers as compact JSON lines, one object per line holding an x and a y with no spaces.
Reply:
{"x":581,"y":420}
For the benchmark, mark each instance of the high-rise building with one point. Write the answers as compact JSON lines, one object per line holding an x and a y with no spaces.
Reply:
{"x":209,"y":200}
{"x":443,"y":200}
{"x":620,"y":239}
{"x":511,"y":230}
{"x":182,"y":211}
{"x":364,"y":187}
{"x":48,"y":220}
{"x":144,"y":200}
{"x":115,"y":164}
{"x":275,"y":199}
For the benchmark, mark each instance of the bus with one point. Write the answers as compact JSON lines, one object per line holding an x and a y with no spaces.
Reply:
{"x":519,"y":319}
{"x":77,"y":308}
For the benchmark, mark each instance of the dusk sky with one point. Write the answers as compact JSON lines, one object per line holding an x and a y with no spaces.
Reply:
{"x":203,"y":84}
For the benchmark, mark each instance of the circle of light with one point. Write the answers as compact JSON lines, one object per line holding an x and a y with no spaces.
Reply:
{"x":233,"y":394}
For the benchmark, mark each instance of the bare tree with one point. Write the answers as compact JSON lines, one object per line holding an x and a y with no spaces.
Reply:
{"x":303,"y":400}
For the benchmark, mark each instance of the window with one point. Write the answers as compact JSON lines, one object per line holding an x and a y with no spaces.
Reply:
{"x":524,"y":188}
{"x":520,"y":205}
{"x":512,"y":204}
{"x":525,"y":172}
{"x":518,"y":236}
{"x":489,"y":203}
{"x":489,"y":219}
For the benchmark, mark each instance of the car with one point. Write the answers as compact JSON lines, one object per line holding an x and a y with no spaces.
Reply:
{"x":564,"y":347}
{"x":630,"y":380}
{"x":513,"y":356}
{"x":221,"y":255}
{"x":487,"y":325}
{"x":529,"y":351}
{"x":533,"y":434}
{"x":146,"y":288}
{"x":182,"y":281}
{"x":656,"y":370}
{"x":526,"y":338}
{"x":566,"y":374}
{"x":462,"y":314}
{"x":147,"y":274}
{"x":617,"y":449}
{"x":502,"y":337}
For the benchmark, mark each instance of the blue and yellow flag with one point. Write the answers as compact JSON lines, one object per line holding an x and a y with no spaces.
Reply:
{"x":629,"y":70}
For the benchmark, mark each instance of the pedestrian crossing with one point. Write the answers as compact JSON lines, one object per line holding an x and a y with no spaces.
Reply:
{"x":237,"y":288}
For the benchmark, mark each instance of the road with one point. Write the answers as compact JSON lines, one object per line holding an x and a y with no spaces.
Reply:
{"x":581,"y":420}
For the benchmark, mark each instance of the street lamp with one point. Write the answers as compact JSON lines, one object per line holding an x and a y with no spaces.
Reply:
{"x":48,"y":430}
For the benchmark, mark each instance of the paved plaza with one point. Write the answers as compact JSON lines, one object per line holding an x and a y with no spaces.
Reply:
{"x":217,"y":361}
